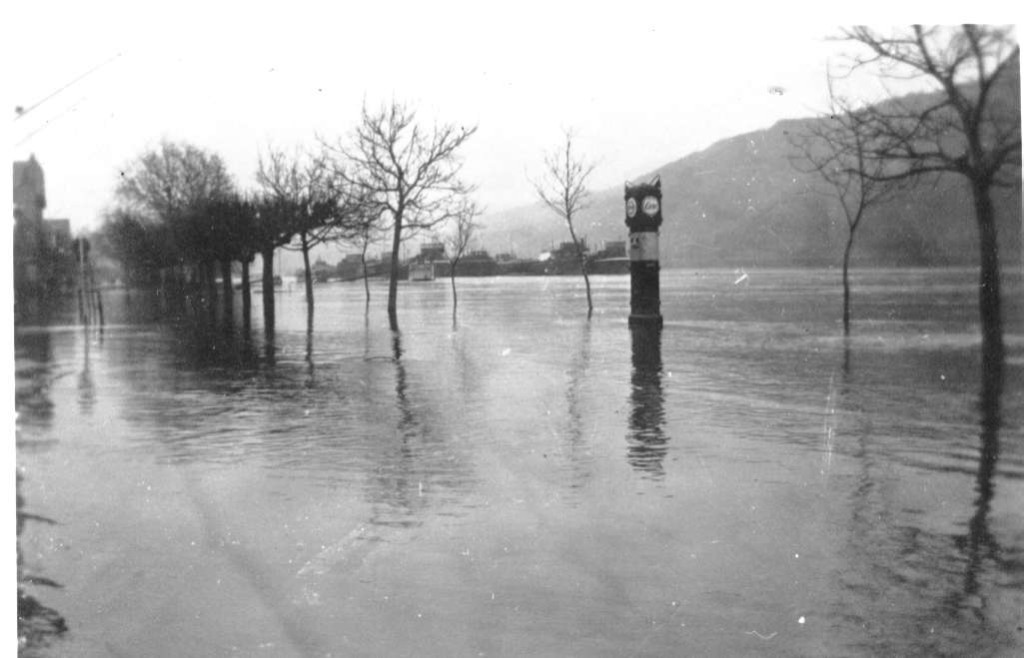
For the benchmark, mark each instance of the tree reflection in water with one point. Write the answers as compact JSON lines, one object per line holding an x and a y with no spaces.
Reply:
{"x":646,"y":437}
{"x":910,"y":588}
{"x":577,"y":451}
{"x":400,"y":488}
{"x":203,"y":342}
{"x":397,"y":491}
{"x":420,"y":467}
{"x":86,"y":385}
{"x":980,"y":546}
{"x":310,"y":366}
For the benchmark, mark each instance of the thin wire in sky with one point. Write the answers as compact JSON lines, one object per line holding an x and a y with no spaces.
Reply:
{"x":20,"y":111}
{"x":49,"y":122}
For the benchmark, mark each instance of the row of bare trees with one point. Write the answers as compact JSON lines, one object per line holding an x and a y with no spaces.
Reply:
{"x":394,"y":175}
{"x":181,"y":216}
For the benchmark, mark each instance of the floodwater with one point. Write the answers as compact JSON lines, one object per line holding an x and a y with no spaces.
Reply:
{"x":528,"y":483}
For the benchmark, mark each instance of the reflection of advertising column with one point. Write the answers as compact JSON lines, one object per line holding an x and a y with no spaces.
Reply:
{"x":646,"y":438}
{"x":643,"y":217}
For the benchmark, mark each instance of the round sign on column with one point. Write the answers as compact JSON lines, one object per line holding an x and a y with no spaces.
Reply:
{"x":643,"y":246}
{"x":651,"y":206}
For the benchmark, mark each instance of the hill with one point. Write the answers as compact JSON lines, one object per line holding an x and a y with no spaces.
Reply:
{"x":740,"y":202}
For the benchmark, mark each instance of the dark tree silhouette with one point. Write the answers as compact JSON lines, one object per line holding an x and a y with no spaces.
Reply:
{"x":173,"y":185}
{"x":365,"y":237}
{"x":230,"y":230}
{"x":835,"y":149}
{"x":410,"y":172}
{"x":307,"y":200}
{"x":272,"y":229}
{"x":362,"y":228}
{"x":142,"y":247}
{"x":169,"y":181}
{"x":971,"y":128}
{"x":563,"y":189}
{"x":456,"y":242}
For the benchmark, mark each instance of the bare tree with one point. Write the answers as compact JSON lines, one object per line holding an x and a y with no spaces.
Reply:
{"x":411,"y":172}
{"x":363,"y":234}
{"x":456,"y":241}
{"x":228,"y":225}
{"x":835,"y":149}
{"x":969,"y":127}
{"x":363,"y":217}
{"x":272,"y":228}
{"x":563,"y":189}
{"x":308,"y":199}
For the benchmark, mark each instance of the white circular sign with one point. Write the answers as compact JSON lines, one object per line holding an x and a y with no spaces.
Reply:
{"x":631,"y":207}
{"x":650,"y":206}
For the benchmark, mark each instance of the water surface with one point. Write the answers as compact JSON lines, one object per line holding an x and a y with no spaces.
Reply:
{"x":526,"y":482}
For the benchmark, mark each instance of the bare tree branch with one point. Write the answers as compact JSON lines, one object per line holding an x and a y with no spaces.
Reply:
{"x":407,"y":172}
{"x":973,"y":130}
{"x":563,"y":189}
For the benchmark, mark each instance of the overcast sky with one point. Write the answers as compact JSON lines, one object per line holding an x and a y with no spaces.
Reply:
{"x":641,"y":87}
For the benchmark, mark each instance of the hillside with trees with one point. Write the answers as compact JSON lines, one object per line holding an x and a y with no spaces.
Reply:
{"x":741,"y":202}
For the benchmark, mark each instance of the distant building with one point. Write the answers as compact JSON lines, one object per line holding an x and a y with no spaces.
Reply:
{"x":564,"y":259}
{"x":613,"y":249}
{"x":430,"y":252}
{"x":570,"y":247}
{"x":29,"y":190}
{"x":29,"y":202}
{"x":611,"y":259}
{"x":477,"y":263}
{"x":43,"y":249}
{"x":322,"y":272}
{"x":422,"y":271}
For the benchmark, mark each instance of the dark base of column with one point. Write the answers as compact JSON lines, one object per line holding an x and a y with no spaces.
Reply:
{"x":644,"y":293}
{"x":645,"y":321}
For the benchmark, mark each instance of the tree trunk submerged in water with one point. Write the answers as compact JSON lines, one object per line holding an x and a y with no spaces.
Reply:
{"x":309,"y":280}
{"x":846,"y":284}
{"x":227,"y":290}
{"x":246,"y":297}
{"x":393,"y":283}
{"x":455,"y":296}
{"x":582,"y":257}
{"x":989,"y":301}
{"x":267,"y":255}
{"x":366,"y":278}
{"x":209,"y":269}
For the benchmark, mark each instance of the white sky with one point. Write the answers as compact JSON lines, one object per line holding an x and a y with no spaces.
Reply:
{"x":641,"y":84}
